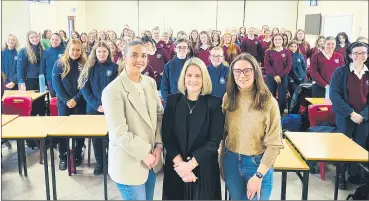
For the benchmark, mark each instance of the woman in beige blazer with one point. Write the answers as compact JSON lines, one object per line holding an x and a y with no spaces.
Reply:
{"x":133,"y":112}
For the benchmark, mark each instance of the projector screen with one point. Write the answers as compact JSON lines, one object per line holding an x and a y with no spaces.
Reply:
{"x":313,"y":24}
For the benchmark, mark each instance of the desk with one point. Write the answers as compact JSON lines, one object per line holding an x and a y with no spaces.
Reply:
{"x":7,"y":118}
{"x":78,"y":126}
{"x":318,"y":101}
{"x":35,"y":128}
{"x":327,"y":147}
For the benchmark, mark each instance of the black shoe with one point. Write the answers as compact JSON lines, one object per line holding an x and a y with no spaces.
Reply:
{"x":98,"y":170}
{"x":78,"y":161}
{"x":357,"y":180}
{"x":63,"y":164}
{"x":342,"y":182}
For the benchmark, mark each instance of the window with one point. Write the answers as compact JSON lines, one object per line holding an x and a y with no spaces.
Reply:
{"x":313,"y":2}
{"x":41,"y":1}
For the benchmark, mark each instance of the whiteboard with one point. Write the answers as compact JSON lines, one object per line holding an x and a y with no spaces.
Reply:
{"x":333,"y":24}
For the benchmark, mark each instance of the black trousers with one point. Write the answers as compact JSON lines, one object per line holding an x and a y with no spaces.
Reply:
{"x":281,"y":88}
{"x":39,"y":105}
{"x":317,"y":91}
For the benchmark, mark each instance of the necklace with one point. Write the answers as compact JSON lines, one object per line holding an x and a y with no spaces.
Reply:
{"x":191,"y":109}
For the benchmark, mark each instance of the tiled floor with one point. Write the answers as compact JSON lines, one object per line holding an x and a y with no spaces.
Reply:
{"x":86,"y":186}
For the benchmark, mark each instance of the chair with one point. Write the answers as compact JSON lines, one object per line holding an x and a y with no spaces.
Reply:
{"x":318,"y":114}
{"x":54,"y":112}
{"x":21,"y":106}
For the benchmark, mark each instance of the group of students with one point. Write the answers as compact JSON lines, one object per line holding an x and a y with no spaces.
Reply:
{"x":212,"y":92}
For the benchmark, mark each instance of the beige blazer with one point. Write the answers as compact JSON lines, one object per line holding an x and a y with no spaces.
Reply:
{"x":133,"y":129}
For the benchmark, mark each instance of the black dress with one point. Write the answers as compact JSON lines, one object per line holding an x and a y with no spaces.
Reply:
{"x":193,"y":135}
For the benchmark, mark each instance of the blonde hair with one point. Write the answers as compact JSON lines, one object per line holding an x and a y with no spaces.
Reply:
{"x":92,"y":58}
{"x":64,"y":60}
{"x":16,"y":47}
{"x":30,"y":52}
{"x":206,"y":80}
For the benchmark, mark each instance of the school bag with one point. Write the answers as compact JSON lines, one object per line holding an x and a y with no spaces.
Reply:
{"x":291,"y":122}
{"x":361,"y":193}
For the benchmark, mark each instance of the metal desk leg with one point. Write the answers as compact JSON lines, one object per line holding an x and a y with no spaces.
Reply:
{"x":74,"y":155}
{"x":24,"y":158}
{"x":53,"y":171}
{"x":68,"y":158}
{"x":19,"y":153}
{"x":283,"y":186}
{"x":105,"y":169}
{"x":305,"y":185}
{"x":337,"y":181}
{"x":46,"y":170}
{"x":48,"y":104}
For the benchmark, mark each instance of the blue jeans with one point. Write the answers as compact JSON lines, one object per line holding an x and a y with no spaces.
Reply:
{"x":238,"y":169}
{"x":139,"y":192}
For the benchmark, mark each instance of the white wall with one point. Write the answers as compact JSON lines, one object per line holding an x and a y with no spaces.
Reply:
{"x":15,"y":20}
{"x":358,"y":9}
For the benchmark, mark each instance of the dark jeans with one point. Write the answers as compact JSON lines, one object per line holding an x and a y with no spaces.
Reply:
{"x":51,"y":89}
{"x":282,"y":90}
{"x":317,"y":91}
{"x":39,"y":105}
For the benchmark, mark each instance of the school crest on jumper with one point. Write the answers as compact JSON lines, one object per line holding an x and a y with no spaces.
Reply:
{"x":109,"y":73}
{"x":299,"y":60}
{"x":336,"y":60}
{"x":161,"y":45}
{"x":222,"y":80}
{"x":80,"y":66}
{"x":283,"y":55}
{"x":158,"y":56}
{"x":15,"y":57}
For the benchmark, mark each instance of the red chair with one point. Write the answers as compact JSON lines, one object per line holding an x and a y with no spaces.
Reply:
{"x":318,"y":114}
{"x":21,"y":106}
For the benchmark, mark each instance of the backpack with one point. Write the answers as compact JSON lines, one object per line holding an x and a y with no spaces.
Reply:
{"x":361,"y":193}
{"x":291,"y":122}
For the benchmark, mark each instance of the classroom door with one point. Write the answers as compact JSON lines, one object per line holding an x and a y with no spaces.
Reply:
{"x":70,"y":25}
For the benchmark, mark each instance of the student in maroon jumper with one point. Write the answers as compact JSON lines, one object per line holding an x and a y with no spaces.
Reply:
{"x":113,"y":49}
{"x":263,"y":28}
{"x":349,"y":95}
{"x":289,"y":34}
{"x":278,"y":63}
{"x":121,"y":44}
{"x":242,"y":33}
{"x":215,"y":38}
{"x":157,"y":58}
{"x":304,"y":46}
{"x":156,"y":34}
{"x":165,"y":43}
{"x":322,"y":66}
{"x":319,"y":45}
{"x":230,"y":49}
{"x":342,"y":42}
{"x":235,"y":39}
{"x":285,"y":40}
{"x":193,"y":38}
{"x":203,"y":47}
{"x":265,"y":44}
{"x":251,"y":45}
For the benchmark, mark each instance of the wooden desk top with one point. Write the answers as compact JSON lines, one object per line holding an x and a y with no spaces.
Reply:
{"x":6,"y":118}
{"x":318,"y":101}
{"x":82,"y":126}
{"x":289,"y":159}
{"x":31,"y":127}
{"x":31,"y":93}
{"x":327,"y":147}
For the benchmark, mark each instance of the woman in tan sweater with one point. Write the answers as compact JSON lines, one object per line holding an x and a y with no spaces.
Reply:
{"x":252,"y":132}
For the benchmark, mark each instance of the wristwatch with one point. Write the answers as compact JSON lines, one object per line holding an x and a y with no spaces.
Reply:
{"x":259,"y":175}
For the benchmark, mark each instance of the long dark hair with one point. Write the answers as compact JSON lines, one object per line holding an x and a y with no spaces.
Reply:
{"x":347,"y":42}
{"x":261,"y":93}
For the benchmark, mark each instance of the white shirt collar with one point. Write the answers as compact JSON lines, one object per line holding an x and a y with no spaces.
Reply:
{"x":358,"y":74}
{"x":326,"y":55}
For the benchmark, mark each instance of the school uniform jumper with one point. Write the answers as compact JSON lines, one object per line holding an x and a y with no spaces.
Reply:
{"x":297,"y":74}
{"x":9,"y":66}
{"x":219,"y":78}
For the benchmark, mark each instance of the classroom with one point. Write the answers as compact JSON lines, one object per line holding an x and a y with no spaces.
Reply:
{"x":184,"y":100}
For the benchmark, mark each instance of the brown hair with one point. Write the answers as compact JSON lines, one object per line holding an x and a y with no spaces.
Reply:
{"x":294,"y":42}
{"x":317,"y":40}
{"x":231,"y":51}
{"x":198,"y":44}
{"x":261,"y":93}
{"x":272,"y":46}
{"x":303,"y":40}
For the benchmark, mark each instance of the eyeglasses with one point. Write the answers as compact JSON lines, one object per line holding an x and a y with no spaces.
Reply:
{"x":217,"y":56}
{"x":246,"y":71}
{"x":182,"y":47}
{"x":360,"y":53}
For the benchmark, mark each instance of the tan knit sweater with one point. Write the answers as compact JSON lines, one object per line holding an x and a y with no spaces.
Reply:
{"x":251,"y":131}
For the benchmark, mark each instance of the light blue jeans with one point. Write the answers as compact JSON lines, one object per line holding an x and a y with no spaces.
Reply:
{"x":238,"y":169}
{"x":139,"y":192}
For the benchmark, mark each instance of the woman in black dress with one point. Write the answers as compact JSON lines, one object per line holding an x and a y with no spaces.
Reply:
{"x":193,"y":126}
